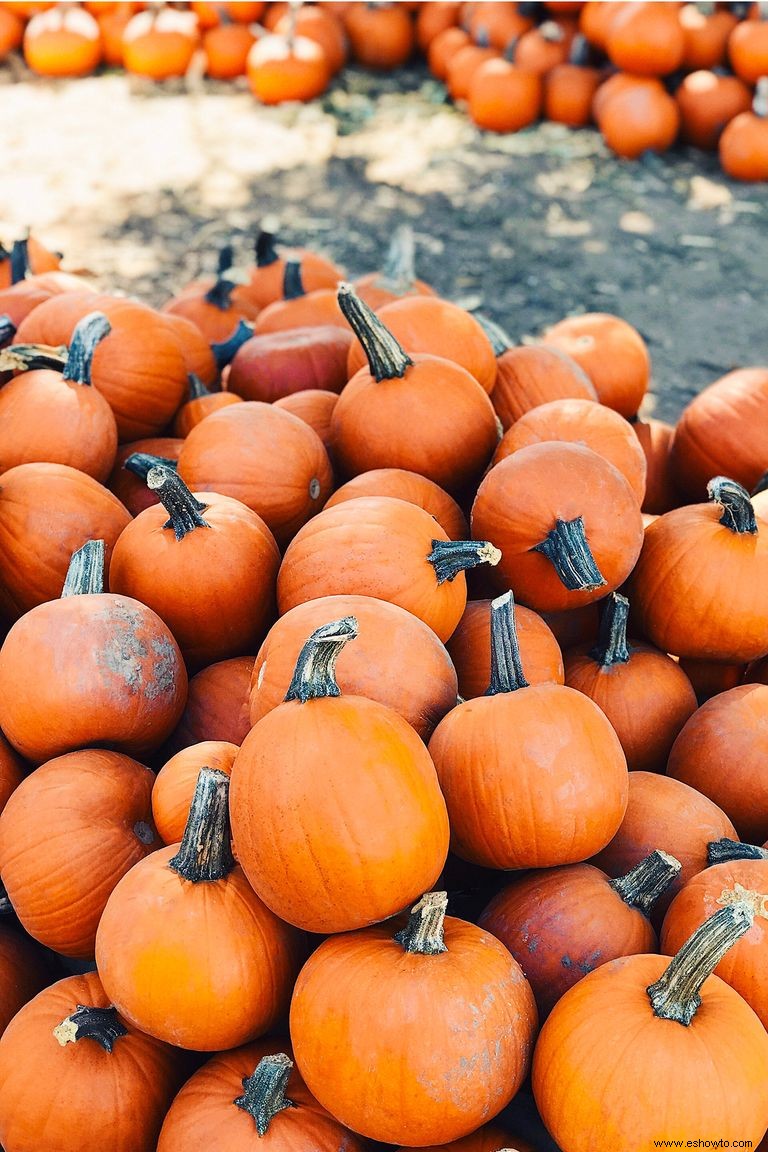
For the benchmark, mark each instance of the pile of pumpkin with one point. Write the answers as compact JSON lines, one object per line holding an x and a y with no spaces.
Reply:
{"x":305,"y":583}
{"x":645,"y":72}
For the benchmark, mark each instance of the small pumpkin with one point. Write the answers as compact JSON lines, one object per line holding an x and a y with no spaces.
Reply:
{"x":217,"y":705}
{"x":201,"y":403}
{"x":744,"y":143}
{"x":569,"y":88}
{"x":315,"y":407}
{"x":612,"y":353}
{"x":11,"y":32}
{"x":287,"y":67}
{"x":443,"y":47}
{"x":127,"y":480}
{"x":215,"y":304}
{"x":318,"y":24}
{"x":299,"y":308}
{"x":174,"y":786}
{"x":470,"y":649}
{"x":381,"y":35}
{"x":464,"y":64}
{"x":504,"y":97}
{"x":62,"y":41}
{"x":432,"y":19}
{"x":497,"y":23}
{"x":226,"y":49}
{"x":706,"y":30}
{"x":542,"y":48}
{"x":748,"y":46}
{"x":661,"y":491}
{"x":643,"y":117}
{"x":160,"y":43}
{"x":646,"y":39}
{"x":708,"y":102}
{"x":267,"y":277}
{"x":409,"y":486}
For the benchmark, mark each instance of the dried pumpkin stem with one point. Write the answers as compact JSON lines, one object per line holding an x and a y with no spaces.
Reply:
{"x":220,"y":293}
{"x":293,"y":285}
{"x":675,"y":995}
{"x":567,"y":549}
{"x":197,"y":388}
{"x":184,"y":511}
{"x":85,"y":574}
{"x":724,"y":850}
{"x":500,"y":341}
{"x":314,"y":676}
{"x":264,"y":1092}
{"x":19,"y":261}
{"x":386,"y":357}
{"x":643,"y":884}
{"x":738,"y":513}
{"x":205,"y":852}
{"x":612,"y":647}
{"x":7,"y":329}
{"x":100,"y":1024}
{"x":449,"y":557}
{"x":139,"y":463}
{"x":90,"y":331}
{"x":266,"y":252}
{"x":399,"y":272}
{"x":506,"y":666}
{"x":25,"y":357}
{"x":423,"y":934}
{"x":224,"y":352}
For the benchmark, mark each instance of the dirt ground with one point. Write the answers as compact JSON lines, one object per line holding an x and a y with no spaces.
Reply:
{"x":139,"y":184}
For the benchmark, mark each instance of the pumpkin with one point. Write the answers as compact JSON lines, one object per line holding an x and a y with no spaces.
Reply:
{"x":706,"y":30}
{"x":542,"y":751}
{"x":464,"y":65}
{"x":573,"y":537}
{"x":267,"y":277}
{"x":661,"y":492}
{"x":188,"y":909}
{"x":456,"y":1073}
{"x":709,"y":677}
{"x":443,"y":48}
{"x":409,"y":486}
{"x":23,"y":973}
{"x":504,"y":97}
{"x":315,"y":407}
{"x":397,"y":276}
{"x":23,"y":296}
{"x":698,"y":585}
{"x":596,"y":18}
{"x":744,"y":142}
{"x":432,"y":19}
{"x":277,"y":364}
{"x":11,"y":32}
{"x":720,"y":753}
{"x":346,"y":550}
{"x":431,"y":325}
{"x":581,"y":422}
{"x":670,"y":815}
{"x":748,"y":47}
{"x":743,"y":966}
{"x":160,"y":43}
{"x":174,"y":785}
{"x":281,"y":68}
{"x":28,"y":258}
{"x":497,"y":23}
{"x":126,"y":685}
{"x":215,"y":305}
{"x":196,"y":351}
{"x":617,"y":83}
{"x":201,"y":403}
{"x":100,"y":1083}
{"x":694,"y":1055}
{"x":707,"y":103}
{"x":205,"y":563}
{"x":381,"y":36}
{"x":422,"y":688}
{"x":226,"y":50}
{"x":320,"y":25}
{"x":78,"y":427}
{"x":341,"y":865}
{"x":217,"y":705}
{"x":646,"y":39}
{"x":470,"y":649}
{"x":643,"y":117}
{"x":612,"y":353}
{"x":270,"y":460}
{"x":253,"y":1090}
{"x":299,"y":308}
{"x":62,"y":41}
{"x":46,"y":512}
{"x":451,"y":430}
{"x":127,"y":480}
{"x":112,"y":23}
{"x":69,"y":832}
{"x":646,"y":696}
{"x":562,"y":923}
{"x":569,"y":88}
{"x":542,"y":48}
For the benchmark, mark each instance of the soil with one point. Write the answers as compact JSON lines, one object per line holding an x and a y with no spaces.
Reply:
{"x":140,"y":183}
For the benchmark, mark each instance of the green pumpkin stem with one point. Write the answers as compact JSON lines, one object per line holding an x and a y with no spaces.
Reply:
{"x":612,"y":646}
{"x":567,"y":549}
{"x":738,"y":513}
{"x":423,"y":934}
{"x":89,"y":332}
{"x":644,"y":884}
{"x":266,"y":252}
{"x":100,"y":1024}
{"x":220,"y":293}
{"x":85,"y":574}
{"x":500,"y":341}
{"x":196,"y":387}
{"x":387,"y":359}
{"x":449,"y":557}
{"x":224,"y":352}
{"x":184,"y":511}
{"x":506,"y":666}
{"x":264,"y":1092}
{"x":399,"y":271}
{"x":19,"y":261}
{"x":724,"y":851}
{"x":205,"y":852}
{"x":293,"y":286}
{"x":7,"y":329}
{"x":139,"y":463}
{"x":675,"y":995}
{"x":314,"y":676}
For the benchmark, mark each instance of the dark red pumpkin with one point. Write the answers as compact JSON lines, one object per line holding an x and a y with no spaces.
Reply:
{"x":276,"y":364}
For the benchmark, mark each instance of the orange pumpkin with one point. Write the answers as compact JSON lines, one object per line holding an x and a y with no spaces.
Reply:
{"x":217,"y":705}
{"x":267,"y":277}
{"x":542,"y":48}
{"x":710,"y":677}
{"x":318,"y":24}
{"x":643,"y":117}
{"x":11,"y":32}
{"x":215,"y":305}
{"x":596,"y":18}
{"x":397,"y":276}
{"x":432,"y":19}
{"x":443,"y":47}
{"x":748,"y":46}
{"x":646,"y":39}
{"x":315,"y":407}
{"x":381,"y":35}
{"x":612,"y":353}
{"x":409,"y":486}
{"x":299,"y":308}
{"x":744,"y":142}
{"x":112,"y":23}
{"x":21,"y":297}
{"x":470,"y":649}
{"x":706,"y":30}
{"x":62,"y":41}
{"x":195,"y":349}
{"x":530,"y":374}
{"x":281,"y":68}
{"x":496,"y":23}
{"x":226,"y":50}
{"x":661,"y":492}
{"x":462,"y":67}
{"x":707,"y":103}
{"x":569,"y":88}
{"x":201,"y":403}
{"x":160,"y":44}
{"x":503,"y":96}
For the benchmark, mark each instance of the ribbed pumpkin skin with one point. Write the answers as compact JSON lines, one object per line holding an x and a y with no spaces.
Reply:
{"x":470,"y":649}
{"x":546,"y":753}
{"x":675,"y":1081}
{"x":174,"y":785}
{"x":81,"y":1099}
{"x":336,"y":813}
{"x":23,"y":973}
{"x":409,"y":486}
{"x":203,"y":1115}
{"x":532,"y":375}
{"x":70,"y":831}
{"x":449,"y":1053}
{"x":396,"y":659}
{"x":47,"y":511}
{"x":96,"y":669}
{"x":745,"y":965}
{"x":217,"y":705}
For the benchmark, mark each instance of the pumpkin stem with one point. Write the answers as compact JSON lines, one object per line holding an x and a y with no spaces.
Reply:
{"x":398,"y":272}
{"x":760,"y":102}
{"x":196,"y":387}
{"x":612,"y":646}
{"x":89,"y":332}
{"x":5,"y":904}
{"x":386,"y":357}
{"x":266,"y":252}
{"x":100,"y":1024}
{"x":85,"y":574}
{"x":643,"y":884}
{"x":675,"y":995}
{"x":315,"y":673}
{"x":738,"y":513}
{"x":220,"y":293}
{"x":500,"y":341}
{"x":506,"y":666}
{"x":205,"y":851}
{"x":25,"y":357}
{"x":224,"y":351}
{"x":449,"y":557}
{"x":19,"y":261}
{"x":567,"y":549}
{"x":184,"y":511}
{"x":7,"y":329}
{"x":140,"y":463}
{"x":423,"y":934}
{"x":293,"y":286}
{"x":580,"y":51}
{"x":264,"y":1091}
{"x":725,"y":850}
